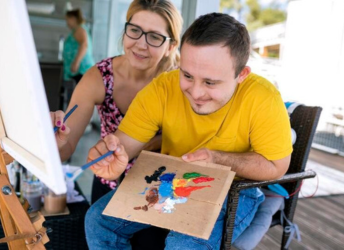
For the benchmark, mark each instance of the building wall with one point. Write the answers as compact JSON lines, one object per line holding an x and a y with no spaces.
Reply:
{"x":313,"y":56}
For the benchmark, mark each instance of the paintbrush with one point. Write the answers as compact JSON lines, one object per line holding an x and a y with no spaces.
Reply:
{"x":66,"y":117}
{"x":77,"y":173}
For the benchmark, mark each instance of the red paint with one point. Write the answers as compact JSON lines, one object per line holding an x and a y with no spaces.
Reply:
{"x":186,"y":191}
{"x":202,"y":179}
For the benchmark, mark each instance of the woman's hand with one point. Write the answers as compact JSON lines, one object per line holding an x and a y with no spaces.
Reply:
{"x":112,"y":166}
{"x":62,"y":133}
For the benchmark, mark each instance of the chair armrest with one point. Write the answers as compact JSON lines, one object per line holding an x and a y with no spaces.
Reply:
{"x":243,"y":184}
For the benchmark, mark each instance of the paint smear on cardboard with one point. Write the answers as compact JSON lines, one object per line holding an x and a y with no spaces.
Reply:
{"x":192,"y":175}
{"x":202,"y":179}
{"x":186,"y":191}
{"x":171,"y":191}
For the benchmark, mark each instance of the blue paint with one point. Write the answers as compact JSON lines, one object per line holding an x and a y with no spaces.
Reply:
{"x":144,"y":191}
{"x":168,"y":177}
{"x":165,"y":189}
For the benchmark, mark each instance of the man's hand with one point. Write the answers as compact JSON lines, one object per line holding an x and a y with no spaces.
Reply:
{"x":112,"y":166}
{"x":248,"y":165}
{"x":202,"y":154}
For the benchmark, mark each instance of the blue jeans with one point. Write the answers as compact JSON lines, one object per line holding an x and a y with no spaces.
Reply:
{"x":105,"y":232}
{"x":249,"y":201}
{"x":254,"y":233}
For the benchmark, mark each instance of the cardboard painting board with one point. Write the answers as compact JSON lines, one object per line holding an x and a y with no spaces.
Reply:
{"x":196,"y":217}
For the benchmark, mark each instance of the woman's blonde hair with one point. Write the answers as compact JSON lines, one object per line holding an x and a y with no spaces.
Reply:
{"x":174,"y":21}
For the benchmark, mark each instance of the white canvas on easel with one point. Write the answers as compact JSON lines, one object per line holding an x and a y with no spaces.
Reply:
{"x":28,"y":136}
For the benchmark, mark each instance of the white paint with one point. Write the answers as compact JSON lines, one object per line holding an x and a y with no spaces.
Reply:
{"x":168,"y":205}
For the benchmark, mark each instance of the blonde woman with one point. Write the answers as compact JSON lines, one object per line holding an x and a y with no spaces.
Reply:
{"x":150,"y":42}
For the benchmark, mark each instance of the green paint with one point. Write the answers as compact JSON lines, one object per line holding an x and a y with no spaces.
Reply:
{"x":192,"y":175}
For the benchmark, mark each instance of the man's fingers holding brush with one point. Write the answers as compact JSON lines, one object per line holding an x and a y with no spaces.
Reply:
{"x":112,"y":166}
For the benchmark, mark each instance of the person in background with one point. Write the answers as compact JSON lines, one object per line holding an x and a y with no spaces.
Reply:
{"x":77,"y":48}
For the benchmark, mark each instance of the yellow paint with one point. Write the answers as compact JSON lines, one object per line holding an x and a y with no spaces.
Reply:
{"x":179,"y":183}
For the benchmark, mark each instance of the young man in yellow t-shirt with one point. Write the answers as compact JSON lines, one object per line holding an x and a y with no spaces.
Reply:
{"x":213,"y":109}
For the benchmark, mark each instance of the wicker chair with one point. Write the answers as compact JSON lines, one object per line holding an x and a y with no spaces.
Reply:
{"x":304,"y":121}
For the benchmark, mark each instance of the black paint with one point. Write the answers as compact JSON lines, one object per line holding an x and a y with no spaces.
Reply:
{"x":154,"y":177}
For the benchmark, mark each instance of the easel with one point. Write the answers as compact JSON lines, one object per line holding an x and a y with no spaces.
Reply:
{"x":22,"y":232}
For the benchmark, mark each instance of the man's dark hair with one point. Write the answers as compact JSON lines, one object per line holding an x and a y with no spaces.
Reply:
{"x":217,"y":28}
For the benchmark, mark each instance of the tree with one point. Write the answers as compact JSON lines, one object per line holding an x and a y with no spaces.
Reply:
{"x":252,"y":18}
{"x":271,"y":16}
{"x":237,"y":5}
{"x":259,"y":17}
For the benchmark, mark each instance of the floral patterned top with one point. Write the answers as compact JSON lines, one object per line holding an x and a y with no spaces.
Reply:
{"x":110,"y":115}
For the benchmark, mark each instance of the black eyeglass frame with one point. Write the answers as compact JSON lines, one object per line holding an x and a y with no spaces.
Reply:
{"x":145,"y":33}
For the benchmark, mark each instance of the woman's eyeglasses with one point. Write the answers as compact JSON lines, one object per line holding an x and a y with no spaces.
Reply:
{"x":153,"y":39}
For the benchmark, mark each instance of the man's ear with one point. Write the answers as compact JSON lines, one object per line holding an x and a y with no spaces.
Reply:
{"x":171,"y":47}
{"x":243,"y":74}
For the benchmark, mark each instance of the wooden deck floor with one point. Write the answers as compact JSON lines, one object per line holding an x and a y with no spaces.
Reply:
{"x":333,"y":161}
{"x":320,"y":219}
{"x":321,"y":223}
